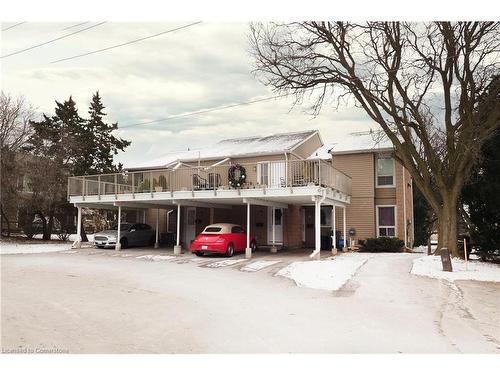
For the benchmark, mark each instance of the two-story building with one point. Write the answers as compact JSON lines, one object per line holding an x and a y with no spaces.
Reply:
{"x":285,"y":189}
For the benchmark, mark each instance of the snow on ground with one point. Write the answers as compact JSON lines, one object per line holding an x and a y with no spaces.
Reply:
{"x":329,"y":274}
{"x":156,"y":257}
{"x":431,"y":266}
{"x":22,"y":247}
{"x":225,"y":263}
{"x":258,"y":265}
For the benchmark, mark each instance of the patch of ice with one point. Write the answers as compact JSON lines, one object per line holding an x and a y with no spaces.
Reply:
{"x":325,"y":274}
{"x":431,"y":266}
{"x":225,"y":263}
{"x":258,"y":265}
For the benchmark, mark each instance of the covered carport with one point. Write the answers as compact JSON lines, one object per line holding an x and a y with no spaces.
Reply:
{"x":277,"y":198}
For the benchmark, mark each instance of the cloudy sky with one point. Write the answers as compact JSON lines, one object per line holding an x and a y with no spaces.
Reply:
{"x":200,"y":67}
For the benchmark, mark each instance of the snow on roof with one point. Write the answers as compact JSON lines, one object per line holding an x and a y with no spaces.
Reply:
{"x":236,"y":147}
{"x":351,"y":144}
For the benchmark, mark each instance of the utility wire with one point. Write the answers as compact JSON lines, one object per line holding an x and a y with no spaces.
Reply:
{"x":11,"y":27}
{"x":203,"y":111}
{"x":126,"y":43}
{"x":52,"y":40}
{"x":78,"y":24}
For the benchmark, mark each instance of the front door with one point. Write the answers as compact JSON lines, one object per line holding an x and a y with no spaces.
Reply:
{"x":189,"y":226}
{"x":278,"y":225}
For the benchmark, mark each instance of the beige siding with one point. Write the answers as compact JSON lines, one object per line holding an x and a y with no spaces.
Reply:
{"x":309,"y":146}
{"x":361,"y":212}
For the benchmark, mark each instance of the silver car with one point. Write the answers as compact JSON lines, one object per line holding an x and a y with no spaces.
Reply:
{"x":131,"y":234}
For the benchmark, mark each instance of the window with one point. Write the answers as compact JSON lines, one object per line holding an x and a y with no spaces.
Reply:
{"x":212,"y":229}
{"x":263,"y":173}
{"x":237,"y":230}
{"x":386,"y":221}
{"x":385,"y":172}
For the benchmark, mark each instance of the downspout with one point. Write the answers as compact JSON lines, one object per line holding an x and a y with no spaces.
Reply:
{"x":286,"y":169}
{"x":404,"y":207}
{"x":321,"y":200}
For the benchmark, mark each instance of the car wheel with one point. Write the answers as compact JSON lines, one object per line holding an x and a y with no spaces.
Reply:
{"x":230,"y":250}
{"x":198,"y":253}
{"x":124,"y":243}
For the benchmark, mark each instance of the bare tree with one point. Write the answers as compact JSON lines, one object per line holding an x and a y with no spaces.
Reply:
{"x":15,"y":130}
{"x":420,"y":82}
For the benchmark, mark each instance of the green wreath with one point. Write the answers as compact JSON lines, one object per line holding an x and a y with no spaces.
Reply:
{"x":234,"y":180}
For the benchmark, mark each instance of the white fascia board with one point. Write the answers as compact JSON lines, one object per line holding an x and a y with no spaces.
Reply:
{"x":262,"y":202}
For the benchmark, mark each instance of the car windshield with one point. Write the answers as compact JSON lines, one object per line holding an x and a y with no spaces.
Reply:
{"x":123,"y":227}
{"x":212,"y":229}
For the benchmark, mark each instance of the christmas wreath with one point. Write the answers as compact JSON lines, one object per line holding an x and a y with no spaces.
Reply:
{"x":236,"y":180}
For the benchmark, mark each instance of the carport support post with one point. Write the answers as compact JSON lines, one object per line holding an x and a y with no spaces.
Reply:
{"x":334,"y":229}
{"x":177,"y":247}
{"x":157,"y":245}
{"x":78,"y":243}
{"x":274,"y":249}
{"x":345,"y":231}
{"x":118,"y":245}
{"x":248,"y":250}
{"x":317,"y":229}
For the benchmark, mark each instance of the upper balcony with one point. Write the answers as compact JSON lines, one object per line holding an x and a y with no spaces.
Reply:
{"x":261,"y":176}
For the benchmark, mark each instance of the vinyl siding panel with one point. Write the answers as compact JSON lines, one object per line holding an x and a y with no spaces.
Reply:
{"x":309,"y":146}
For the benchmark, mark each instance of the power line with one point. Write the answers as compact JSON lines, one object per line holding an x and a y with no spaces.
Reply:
{"x":11,"y":27}
{"x":52,"y":40}
{"x":126,"y":43}
{"x":204,"y":111}
{"x":78,"y":24}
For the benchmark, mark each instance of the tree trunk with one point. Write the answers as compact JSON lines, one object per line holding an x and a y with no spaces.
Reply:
{"x":7,"y":222}
{"x":448,"y":226}
{"x":83,"y":233}
{"x":47,"y":229}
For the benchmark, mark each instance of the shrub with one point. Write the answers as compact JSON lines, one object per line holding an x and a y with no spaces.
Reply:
{"x":382,"y":245}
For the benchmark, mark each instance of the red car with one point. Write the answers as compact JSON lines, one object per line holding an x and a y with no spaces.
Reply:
{"x":222,"y":239}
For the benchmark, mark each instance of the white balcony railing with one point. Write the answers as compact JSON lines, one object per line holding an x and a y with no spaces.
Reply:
{"x":275,"y":174}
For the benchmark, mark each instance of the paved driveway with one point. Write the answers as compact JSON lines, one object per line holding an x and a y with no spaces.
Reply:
{"x":94,"y":302}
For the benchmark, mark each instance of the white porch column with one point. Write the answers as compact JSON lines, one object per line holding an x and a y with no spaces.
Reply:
{"x":334,"y":228}
{"x":118,"y":245}
{"x":78,"y":242}
{"x":248,"y":250}
{"x":177,"y":247}
{"x":144,"y":216}
{"x":317,"y":229}
{"x":274,"y":249}
{"x":157,"y":244}
{"x":345,"y":231}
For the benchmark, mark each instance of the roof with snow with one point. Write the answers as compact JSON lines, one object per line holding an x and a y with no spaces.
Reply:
{"x":236,"y":147}
{"x":351,"y":145}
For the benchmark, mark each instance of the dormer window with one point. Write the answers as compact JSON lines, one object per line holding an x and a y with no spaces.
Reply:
{"x":385,"y":171}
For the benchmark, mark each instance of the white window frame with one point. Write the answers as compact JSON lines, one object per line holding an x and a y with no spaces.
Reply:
{"x":387,"y":226}
{"x":393,"y":172}
{"x":259,"y":172}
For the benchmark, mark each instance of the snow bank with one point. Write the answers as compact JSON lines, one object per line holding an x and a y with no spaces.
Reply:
{"x":325,"y":274}
{"x":431,"y":266}
{"x":14,"y":247}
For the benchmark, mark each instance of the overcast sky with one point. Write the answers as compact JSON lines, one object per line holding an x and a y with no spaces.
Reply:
{"x":196,"y":68}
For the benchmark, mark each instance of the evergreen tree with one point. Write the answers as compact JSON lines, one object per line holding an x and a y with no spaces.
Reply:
{"x":482,"y":200}
{"x":104,"y":144}
{"x":64,"y":145}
